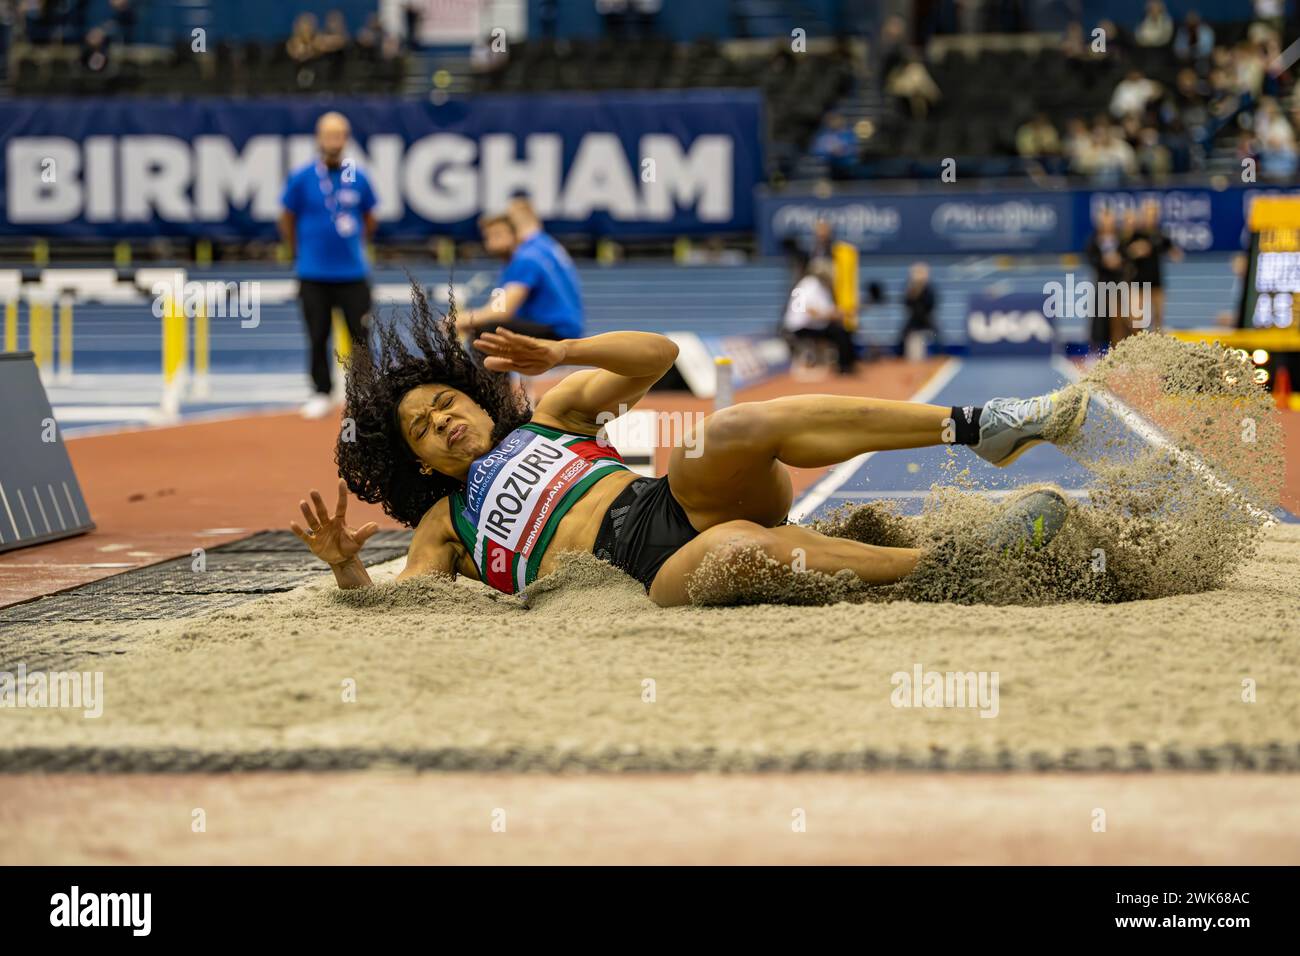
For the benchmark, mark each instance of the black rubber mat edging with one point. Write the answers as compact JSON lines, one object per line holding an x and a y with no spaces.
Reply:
{"x":1136,"y":758}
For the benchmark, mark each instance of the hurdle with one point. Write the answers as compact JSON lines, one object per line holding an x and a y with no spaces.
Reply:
{"x":40,"y":334}
{"x":342,"y":350}
{"x":175,"y":348}
{"x":11,"y":325}
{"x":200,"y":386}
{"x":65,"y":339}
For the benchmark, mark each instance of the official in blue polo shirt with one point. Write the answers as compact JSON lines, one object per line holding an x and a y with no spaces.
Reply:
{"x":328,"y":216}
{"x":539,"y":293}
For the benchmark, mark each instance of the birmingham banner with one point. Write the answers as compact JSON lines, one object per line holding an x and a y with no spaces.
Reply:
{"x":616,"y":164}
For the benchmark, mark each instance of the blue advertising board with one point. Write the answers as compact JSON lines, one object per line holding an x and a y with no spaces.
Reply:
{"x":1012,"y":324}
{"x":1198,"y":219}
{"x":618,"y":164}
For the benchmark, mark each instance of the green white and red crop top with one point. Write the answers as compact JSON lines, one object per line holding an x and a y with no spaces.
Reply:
{"x":516,"y":494}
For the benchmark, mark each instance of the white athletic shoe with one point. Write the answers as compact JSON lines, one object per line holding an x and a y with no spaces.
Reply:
{"x":318,"y":406}
{"x":1009,"y":427}
{"x":1029,"y":522}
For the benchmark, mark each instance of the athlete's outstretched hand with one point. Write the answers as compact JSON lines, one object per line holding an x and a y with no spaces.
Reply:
{"x":330,"y":538}
{"x":508,"y":351}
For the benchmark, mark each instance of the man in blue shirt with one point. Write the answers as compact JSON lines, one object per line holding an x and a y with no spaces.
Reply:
{"x":539,"y":294}
{"x":328,"y":215}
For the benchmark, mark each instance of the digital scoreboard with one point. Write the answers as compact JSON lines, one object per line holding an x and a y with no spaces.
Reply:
{"x":1272,"y":285}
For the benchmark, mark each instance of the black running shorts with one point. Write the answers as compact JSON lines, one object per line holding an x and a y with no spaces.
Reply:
{"x":644,"y":527}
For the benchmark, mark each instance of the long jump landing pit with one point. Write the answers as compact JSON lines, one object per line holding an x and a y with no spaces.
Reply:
{"x":591,"y":708}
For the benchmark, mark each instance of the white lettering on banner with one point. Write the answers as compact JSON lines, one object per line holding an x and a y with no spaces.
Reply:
{"x":225,"y":178}
{"x":510,"y":500}
{"x":1007,"y":218}
{"x":443,"y":177}
{"x":852,"y":221}
{"x":996,"y":326}
{"x":538,"y":174}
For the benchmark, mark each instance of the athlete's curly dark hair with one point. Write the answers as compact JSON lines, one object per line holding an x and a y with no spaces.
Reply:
{"x":378,"y":465}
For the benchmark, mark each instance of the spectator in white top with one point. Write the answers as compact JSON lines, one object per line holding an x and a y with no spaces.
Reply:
{"x":1156,"y":28}
{"x":1112,"y":158}
{"x":1132,"y":94}
{"x":811,"y":314}
{"x":1270,"y":125}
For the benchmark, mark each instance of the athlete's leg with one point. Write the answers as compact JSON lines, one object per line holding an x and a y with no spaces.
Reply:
{"x":1029,"y":522}
{"x":734,"y":467}
{"x":800,"y":548}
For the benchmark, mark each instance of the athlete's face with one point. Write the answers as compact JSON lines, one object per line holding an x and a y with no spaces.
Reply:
{"x":445,"y":428}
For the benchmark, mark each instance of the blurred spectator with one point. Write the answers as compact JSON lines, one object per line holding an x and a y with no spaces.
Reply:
{"x":1249,"y":67}
{"x":411,"y":16}
{"x":1146,"y":247}
{"x":301,"y":45}
{"x":1224,"y":97}
{"x":812,"y":315}
{"x":1156,"y":28}
{"x":1104,"y":252}
{"x":1269,"y":121}
{"x":913,"y":86}
{"x":1151,"y":155}
{"x":1277,"y":155}
{"x":837,"y":146}
{"x":334,"y":37}
{"x":1075,"y":45}
{"x":370,"y":39}
{"x":1272,"y":12}
{"x":1194,"y":41}
{"x":1187,"y":103}
{"x":919,"y":303}
{"x":95,"y":51}
{"x":1111,"y":158}
{"x":332,"y":43}
{"x":1038,"y":139}
{"x":892,"y":49}
{"x":1078,"y":146}
{"x":972,"y":17}
{"x":123,"y":20}
{"x":821,"y":248}
{"x":1117,"y":40}
{"x":1132,"y":94}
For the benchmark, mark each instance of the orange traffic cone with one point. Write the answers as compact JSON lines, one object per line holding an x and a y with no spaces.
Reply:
{"x":1282,"y":387}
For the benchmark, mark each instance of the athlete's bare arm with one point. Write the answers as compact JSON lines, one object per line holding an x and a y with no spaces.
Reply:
{"x":434,"y":547}
{"x":625,"y":365}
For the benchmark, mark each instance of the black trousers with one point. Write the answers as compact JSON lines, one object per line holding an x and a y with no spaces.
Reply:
{"x":319,"y":300}
{"x":837,"y":335}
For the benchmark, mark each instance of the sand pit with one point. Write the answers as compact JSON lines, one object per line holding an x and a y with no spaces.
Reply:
{"x":1183,"y":638}
{"x":438,"y":664}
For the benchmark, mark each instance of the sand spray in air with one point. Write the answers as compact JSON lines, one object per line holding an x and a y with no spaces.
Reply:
{"x":1184,"y":452}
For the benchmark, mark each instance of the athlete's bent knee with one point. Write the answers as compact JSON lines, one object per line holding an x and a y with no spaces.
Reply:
{"x":737,"y":426}
{"x":732,"y":538}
